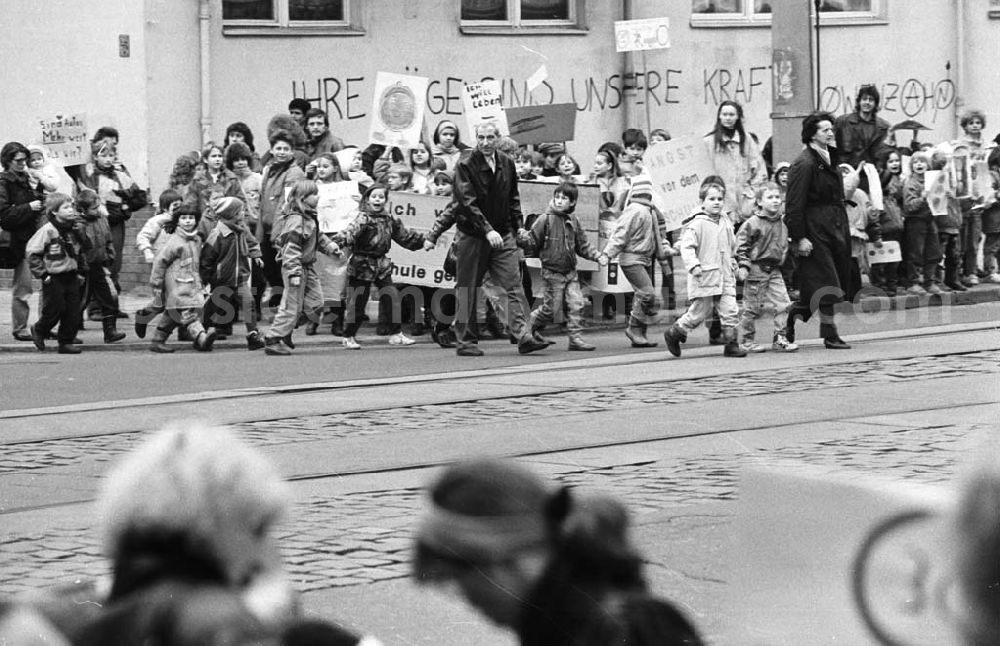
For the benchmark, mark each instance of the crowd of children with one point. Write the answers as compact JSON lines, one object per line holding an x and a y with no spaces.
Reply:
{"x":229,"y":227}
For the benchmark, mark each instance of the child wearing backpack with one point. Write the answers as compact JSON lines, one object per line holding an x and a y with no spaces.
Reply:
{"x":100,"y":254}
{"x":559,"y":238}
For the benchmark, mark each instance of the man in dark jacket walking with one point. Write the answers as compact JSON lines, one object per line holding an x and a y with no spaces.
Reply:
{"x":20,"y":208}
{"x":488,"y":211}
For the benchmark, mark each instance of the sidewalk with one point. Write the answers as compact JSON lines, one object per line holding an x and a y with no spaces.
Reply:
{"x":93,"y":339}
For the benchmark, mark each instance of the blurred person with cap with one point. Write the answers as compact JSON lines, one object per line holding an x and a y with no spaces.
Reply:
{"x":550,"y":154}
{"x":554,"y":567}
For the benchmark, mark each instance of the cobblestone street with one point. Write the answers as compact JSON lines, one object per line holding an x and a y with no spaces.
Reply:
{"x":337,"y":540}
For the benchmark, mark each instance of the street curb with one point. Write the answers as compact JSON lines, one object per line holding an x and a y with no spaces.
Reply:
{"x":869,"y":305}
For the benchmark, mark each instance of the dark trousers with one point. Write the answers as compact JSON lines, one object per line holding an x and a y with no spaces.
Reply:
{"x":474,"y":258}
{"x":272,"y":268}
{"x":100,"y":289}
{"x":358,"y":293}
{"x":951,"y":251}
{"x":118,"y":241}
{"x":60,"y":305}
{"x":923,"y":250}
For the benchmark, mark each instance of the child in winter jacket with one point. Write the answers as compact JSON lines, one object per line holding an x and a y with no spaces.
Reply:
{"x":923,"y":249}
{"x":370,"y":235}
{"x":56,"y":257}
{"x":637,"y":240}
{"x":559,"y":238}
{"x":100,"y":254}
{"x":297,"y":237}
{"x":226,"y":261}
{"x":708,"y":247}
{"x":149,"y":241}
{"x":177,"y":284}
{"x":761,"y":246}
{"x":885,"y":275}
{"x":949,"y":226}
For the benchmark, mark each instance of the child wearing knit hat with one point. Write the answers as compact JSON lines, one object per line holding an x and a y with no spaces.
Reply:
{"x":637,"y":239}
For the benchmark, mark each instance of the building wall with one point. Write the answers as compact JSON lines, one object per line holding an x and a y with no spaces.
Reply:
{"x":154,"y":96}
{"x":62,"y":57}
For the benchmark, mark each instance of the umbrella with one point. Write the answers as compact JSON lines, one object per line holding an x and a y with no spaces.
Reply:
{"x":909,"y":124}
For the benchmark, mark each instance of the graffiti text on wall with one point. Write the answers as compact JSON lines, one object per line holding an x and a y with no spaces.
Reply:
{"x":349,"y":98}
{"x":911,"y":97}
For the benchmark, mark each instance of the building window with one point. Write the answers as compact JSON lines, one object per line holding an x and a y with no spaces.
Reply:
{"x":729,"y":13}
{"x":283,"y":17}
{"x":513,"y":15}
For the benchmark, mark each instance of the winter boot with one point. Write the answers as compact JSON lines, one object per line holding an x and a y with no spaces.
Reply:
{"x":68,"y":348}
{"x":205,"y":340}
{"x":254,"y":340}
{"x":276,"y":346}
{"x":111,"y":333}
{"x":636,"y":333}
{"x":577,"y":344}
{"x":142,"y":319}
{"x":674,"y":337}
{"x":158,"y":344}
{"x":715,"y":335}
{"x":732,"y":348}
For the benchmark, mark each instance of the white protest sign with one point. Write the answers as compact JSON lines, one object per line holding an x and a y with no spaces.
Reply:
{"x":640,"y":35}
{"x":874,"y":186}
{"x":831,"y":558}
{"x":65,"y":139}
{"x":483,"y":103}
{"x":888,"y":252}
{"x":677,"y":168}
{"x":397,"y":110}
{"x":418,"y":212}
{"x":937,"y":184}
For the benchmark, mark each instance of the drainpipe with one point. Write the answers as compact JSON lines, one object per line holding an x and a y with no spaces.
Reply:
{"x":206,"y":70}
{"x":960,"y":75}
{"x":631,"y":112}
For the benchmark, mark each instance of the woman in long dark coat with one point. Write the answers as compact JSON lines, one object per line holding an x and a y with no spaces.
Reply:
{"x":819,"y":230}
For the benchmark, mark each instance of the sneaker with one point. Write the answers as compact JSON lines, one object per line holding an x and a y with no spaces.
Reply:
{"x":970,"y":281}
{"x":754,"y":347}
{"x":782,"y":344}
{"x":255,"y":341}
{"x":992,"y":278}
{"x":400,"y":339}
{"x":916,"y":290}
{"x":350,"y":343}
{"x":933,"y":289}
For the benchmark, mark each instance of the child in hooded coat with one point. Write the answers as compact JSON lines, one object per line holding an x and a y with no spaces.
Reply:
{"x":176,"y":283}
{"x":100,"y":253}
{"x":226,"y":265}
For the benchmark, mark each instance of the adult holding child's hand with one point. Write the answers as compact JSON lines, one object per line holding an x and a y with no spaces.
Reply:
{"x":818,"y":226}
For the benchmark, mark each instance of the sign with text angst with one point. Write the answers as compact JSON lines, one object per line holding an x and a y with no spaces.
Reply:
{"x":677,"y":169}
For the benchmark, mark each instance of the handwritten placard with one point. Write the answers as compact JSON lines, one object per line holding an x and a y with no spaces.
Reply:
{"x":677,"y":169}
{"x":65,"y":139}
{"x":640,"y":35}
{"x":483,"y":103}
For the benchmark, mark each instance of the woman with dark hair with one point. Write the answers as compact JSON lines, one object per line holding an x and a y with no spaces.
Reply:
{"x":20,"y":214}
{"x":554,"y":568}
{"x":239,"y":132}
{"x":736,"y":158}
{"x":818,"y":228}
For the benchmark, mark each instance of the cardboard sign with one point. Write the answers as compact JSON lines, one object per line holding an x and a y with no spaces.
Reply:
{"x":937,"y":183}
{"x":65,"y":139}
{"x":483,"y":103}
{"x":888,"y":252}
{"x":640,"y":35}
{"x":874,"y":186}
{"x":397,"y":110}
{"x":418,"y":212}
{"x":535,"y":124}
{"x":677,"y":168}
{"x":820,"y":558}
